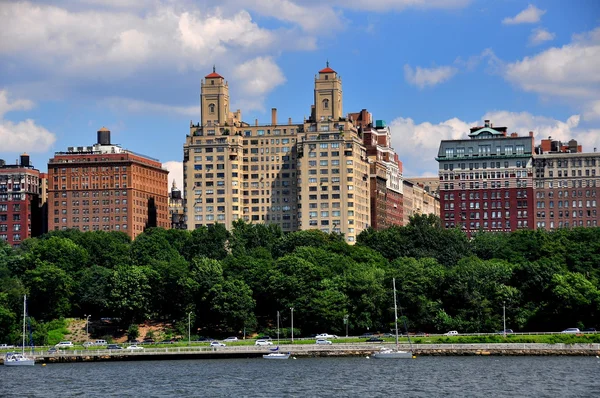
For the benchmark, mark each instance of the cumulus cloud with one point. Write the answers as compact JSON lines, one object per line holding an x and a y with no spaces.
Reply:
{"x":569,"y":71}
{"x":592,"y":111}
{"x":175,"y":173}
{"x":420,"y":141}
{"x":424,"y":77}
{"x":539,"y":36}
{"x":399,"y":5}
{"x":531,"y":14}
{"x":25,"y":135}
{"x":257,"y":77}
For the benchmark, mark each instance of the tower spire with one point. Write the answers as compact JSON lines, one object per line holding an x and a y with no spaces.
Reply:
{"x":214,"y":69}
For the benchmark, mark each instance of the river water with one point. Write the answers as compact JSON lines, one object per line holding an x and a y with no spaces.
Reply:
{"x":488,"y":377}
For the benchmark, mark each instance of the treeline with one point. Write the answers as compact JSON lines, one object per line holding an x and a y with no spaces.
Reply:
{"x":230,"y":281}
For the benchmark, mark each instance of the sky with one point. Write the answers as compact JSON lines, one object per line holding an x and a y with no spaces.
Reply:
{"x":430,"y":68}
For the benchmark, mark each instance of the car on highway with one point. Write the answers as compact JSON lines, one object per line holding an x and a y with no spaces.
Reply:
{"x":231,"y":339}
{"x":134,"y":347}
{"x":326,"y":336}
{"x":263,"y":342}
{"x":366,"y":335}
{"x":589,"y":330}
{"x":571,"y":330}
{"x":53,"y":350}
{"x":64,"y":344}
{"x":323,"y":341}
{"x":114,"y":347}
{"x":374,"y":340}
{"x":507,"y":331}
{"x":451,"y":333}
{"x":217,"y":344}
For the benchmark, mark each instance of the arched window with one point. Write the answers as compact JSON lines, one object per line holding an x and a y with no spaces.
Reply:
{"x":211,"y":108}
{"x":325,"y":104}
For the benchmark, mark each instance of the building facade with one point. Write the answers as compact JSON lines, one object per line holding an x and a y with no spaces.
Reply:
{"x":486,"y":181}
{"x":20,"y":201}
{"x":176,"y":214}
{"x":567,"y":186}
{"x":105,"y":187}
{"x":309,"y":175}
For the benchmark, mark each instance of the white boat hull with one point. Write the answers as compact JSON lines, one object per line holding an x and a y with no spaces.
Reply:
{"x":18,"y":360}
{"x":393,"y":355}
{"x":276,"y":356}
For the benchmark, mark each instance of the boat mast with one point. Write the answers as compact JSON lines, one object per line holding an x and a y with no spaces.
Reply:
{"x":395,"y":313}
{"x":24,"y":316}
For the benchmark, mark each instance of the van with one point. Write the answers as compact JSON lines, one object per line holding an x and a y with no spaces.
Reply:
{"x":100,"y":342}
{"x":451,"y":333}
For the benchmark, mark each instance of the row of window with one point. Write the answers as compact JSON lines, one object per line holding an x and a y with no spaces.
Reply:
{"x":485,"y":150}
{"x":560,"y":204}
{"x":574,"y":214}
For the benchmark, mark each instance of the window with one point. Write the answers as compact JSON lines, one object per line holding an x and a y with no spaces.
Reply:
{"x":325,"y":104}
{"x":211,"y":108}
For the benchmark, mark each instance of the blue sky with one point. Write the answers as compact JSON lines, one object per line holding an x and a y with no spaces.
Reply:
{"x":430,"y":68}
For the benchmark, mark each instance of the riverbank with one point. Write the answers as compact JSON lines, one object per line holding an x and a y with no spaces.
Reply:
{"x":305,"y":350}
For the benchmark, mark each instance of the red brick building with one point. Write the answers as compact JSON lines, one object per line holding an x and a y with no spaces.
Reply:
{"x":486,"y":181}
{"x":20,"y":211}
{"x":105,"y":187}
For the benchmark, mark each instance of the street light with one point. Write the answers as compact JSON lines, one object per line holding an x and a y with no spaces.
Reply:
{"x":292,"y":308}
{"x":504,"y":318}
{"x":87,"y":322}
{"x":346,"y":323}
{"x":189,"y":328}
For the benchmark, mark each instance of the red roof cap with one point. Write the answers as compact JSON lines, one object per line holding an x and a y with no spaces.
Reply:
{"x":213,"y":75}
{"x":327,"y":70}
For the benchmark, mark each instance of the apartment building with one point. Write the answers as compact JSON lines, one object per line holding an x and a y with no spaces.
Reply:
{"x":20,"y":201}
{"x":299,"y":176}
{"x":385,"y":171}
{"x":105,"y":187}
{"x":486,"y":181}
{"x":567,"y":185}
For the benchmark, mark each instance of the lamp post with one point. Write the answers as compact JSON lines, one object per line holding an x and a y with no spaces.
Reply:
{"x":292,"y":308}
{"x":189,"y":328}
{"x":87,"y":322}
{"x":346,"y":323}
{"x":504,"y":318}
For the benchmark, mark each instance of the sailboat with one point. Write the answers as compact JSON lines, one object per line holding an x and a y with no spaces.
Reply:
{"x":275,"y":354}
{"x":388,"y":353}
{"x":15,"y":358}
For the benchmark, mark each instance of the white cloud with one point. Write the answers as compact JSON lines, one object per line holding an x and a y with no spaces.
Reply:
{"x":531,"y":14}
{"x":257,"y":77}
{"x":423,"y":77}
{"x":25,"y":135}
{"x":136,"y":106}
{"x":539,"y":36}
{"x":399,"y":5}
{"x":569,"y":71}
{"x":175,"y":173}
{"x":15,"y":105}
{"x":592,"y":111}
{"x":420,"y":142}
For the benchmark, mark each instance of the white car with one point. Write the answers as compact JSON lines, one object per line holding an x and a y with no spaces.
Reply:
{"x":230,"y":339}
{"x":134,"y":347}
{"x":571,"y":330}
{"x":451,"y":333}
{"x":64,"y":344}
{"x":323,"y":341}
{"x":263,"y":342}
{"x":216,"y":344}
{"x":326,"y":336}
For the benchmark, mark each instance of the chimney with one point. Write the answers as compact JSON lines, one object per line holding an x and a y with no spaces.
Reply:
{"x":256,"y":122}
{"x":531,"y":133}
{"x":274,"y":116}
{"x":486,"y":123}
{"x":289,"y":120}
{"x":513,"y":135}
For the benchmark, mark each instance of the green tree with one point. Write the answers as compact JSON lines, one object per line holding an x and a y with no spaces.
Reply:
{"x":50,"y":291}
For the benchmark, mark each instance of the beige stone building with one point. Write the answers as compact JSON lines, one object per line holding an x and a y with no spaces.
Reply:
{"x":310,"y":175}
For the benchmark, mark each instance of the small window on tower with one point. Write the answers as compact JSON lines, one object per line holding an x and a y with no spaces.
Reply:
{"x":325,"y":104}
{"x":212,"y":82}
{"x":211,"y":108}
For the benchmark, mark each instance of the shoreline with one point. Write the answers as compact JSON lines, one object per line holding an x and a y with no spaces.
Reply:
{"x":311,"y":351}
